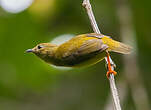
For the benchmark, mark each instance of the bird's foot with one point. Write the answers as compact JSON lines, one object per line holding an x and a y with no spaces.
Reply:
{"x":111,"y":72}
{"x":110,"y":65}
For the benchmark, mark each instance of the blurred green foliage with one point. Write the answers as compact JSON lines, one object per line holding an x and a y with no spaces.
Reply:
{"x":27,"y":83}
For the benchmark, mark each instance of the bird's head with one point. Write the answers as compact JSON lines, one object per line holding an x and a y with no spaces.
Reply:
{"x":43,"y":50}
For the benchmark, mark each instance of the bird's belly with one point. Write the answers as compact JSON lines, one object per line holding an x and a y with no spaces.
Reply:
{"x":81,"y":61}
{"x":91,"y":61}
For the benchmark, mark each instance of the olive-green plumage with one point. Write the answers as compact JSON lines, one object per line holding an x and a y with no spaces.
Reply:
{"x":81,"y":50}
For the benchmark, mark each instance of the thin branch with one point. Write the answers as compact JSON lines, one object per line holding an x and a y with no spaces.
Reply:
{"x":122,"y":88}
{"x":114,"y":92}
{"x":86,"y":4}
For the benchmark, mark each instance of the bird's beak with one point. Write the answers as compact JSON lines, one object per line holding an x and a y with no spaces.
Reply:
{"x":29,"y":50}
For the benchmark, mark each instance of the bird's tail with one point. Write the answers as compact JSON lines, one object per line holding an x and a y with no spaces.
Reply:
{"x":122,"y":48}
{"x":116,"y":46}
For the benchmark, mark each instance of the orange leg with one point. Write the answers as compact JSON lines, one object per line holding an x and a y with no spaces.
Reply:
{"x":110,"y":71}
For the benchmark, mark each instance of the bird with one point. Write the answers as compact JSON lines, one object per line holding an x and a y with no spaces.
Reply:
{"x":80,"y":51}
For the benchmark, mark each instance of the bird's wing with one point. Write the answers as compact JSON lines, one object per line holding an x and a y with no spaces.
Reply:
{"x":80,"y":46}
{"x":91,"y":46}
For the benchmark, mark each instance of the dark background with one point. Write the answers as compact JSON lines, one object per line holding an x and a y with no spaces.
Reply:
{"x":27,"y":83}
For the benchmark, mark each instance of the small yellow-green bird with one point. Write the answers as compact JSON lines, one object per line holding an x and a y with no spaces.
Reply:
{"x":81,"y":50}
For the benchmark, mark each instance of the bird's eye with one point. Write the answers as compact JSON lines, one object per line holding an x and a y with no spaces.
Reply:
{"x":39,"y":46}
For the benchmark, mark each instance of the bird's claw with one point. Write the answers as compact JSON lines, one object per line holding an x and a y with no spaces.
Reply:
{"x":111,"y":72}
